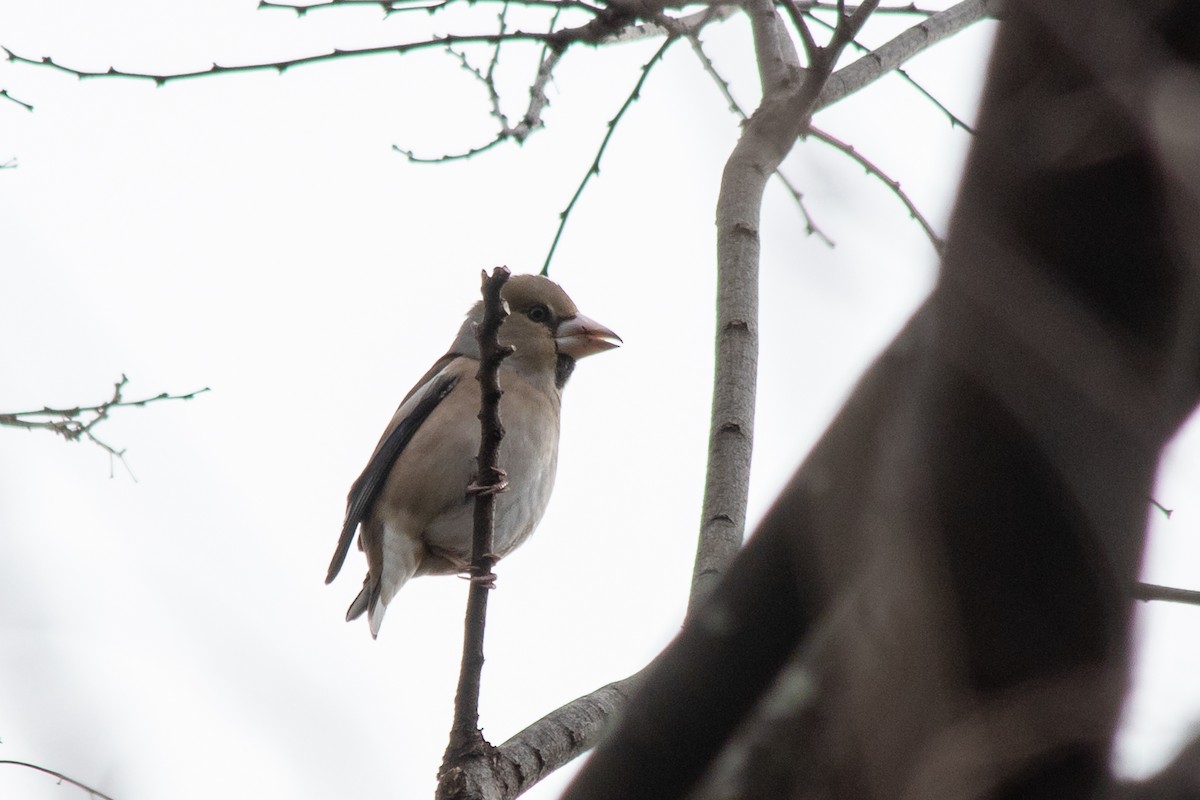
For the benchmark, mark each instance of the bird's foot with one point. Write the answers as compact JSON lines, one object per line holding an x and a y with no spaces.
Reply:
{"x":498,"y":484}
{"x":487,"y":581}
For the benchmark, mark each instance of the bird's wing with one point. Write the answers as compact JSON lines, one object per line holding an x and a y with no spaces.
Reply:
{"x":439,"y":382}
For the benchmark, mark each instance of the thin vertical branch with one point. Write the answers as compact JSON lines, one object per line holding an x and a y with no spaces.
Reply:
{"x":466,"y":740}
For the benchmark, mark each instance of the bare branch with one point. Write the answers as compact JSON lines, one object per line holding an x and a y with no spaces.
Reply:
{"x":663,"y":25}
{"x":874,"y":169}
{"x":285,"y":64}
{"x":78,"y":422}
{"x":489,"y":85}
{"x":916,"y":39}
{"x":537,"y":91}
{"x":1167,"y":512}
{"x":806,"y":37}
{"x":390,"y":7}
{"x":6,"y":96}
{"x":93,"y":792}
{"x":767,"y":137}
{"x":542,"y":747}
{"x":466,"y":740}
{"x":1151,"y":591}
{"x":778,"y":63}
{"x":594,"y":169}
{"x":911,"y":8}
{"x":810,"y":225}
{"x":955,"y":120}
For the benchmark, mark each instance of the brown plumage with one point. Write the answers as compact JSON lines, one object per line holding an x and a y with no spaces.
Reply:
{"x":410,"y":504}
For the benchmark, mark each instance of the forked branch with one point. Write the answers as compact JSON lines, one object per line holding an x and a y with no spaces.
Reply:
{"x":76,"y":423}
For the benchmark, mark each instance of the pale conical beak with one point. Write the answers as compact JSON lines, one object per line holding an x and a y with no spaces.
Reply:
{"x":579,"y":336}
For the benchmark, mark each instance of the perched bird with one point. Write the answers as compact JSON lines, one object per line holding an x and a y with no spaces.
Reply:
{"x":411,"y":503}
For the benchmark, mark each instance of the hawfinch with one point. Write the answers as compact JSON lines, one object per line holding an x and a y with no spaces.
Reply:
{"x":411,"y":503}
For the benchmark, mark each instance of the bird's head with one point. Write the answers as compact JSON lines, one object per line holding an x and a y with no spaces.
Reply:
{"x":544,"y":327}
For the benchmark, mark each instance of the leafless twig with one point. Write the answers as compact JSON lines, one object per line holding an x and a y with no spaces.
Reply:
{"x":61,"y":777}
{"x":892,"y":54}
{"x":911,"y":8}
{"x":594,"y":169}
{"x":955,"y":120}
{"x":397,"y":6}
{"x":1171,"y":594}
{"x":78,"y":422}
{"x":530,"y":121}
{"x":874,"y":169}
{"x":5,"y":95}
{"x":810,"y":225}
{"x":1167,"y":512}
{"x":285,"y":64}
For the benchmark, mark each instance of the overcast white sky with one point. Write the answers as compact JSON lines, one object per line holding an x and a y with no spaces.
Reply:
{"x":172,"y":637}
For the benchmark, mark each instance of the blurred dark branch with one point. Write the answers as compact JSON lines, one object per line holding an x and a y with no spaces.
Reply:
{"x":61,"y":777}
{"x":594,"y":169}
{"x":1171,"y":594}
{"x":873,"y":169}
{"x":76,"y":423}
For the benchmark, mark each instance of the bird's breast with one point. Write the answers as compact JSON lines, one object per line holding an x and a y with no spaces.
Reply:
{"x":529,"y":457}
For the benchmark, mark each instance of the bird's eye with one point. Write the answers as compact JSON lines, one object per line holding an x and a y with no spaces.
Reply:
{"x":538,"y":313}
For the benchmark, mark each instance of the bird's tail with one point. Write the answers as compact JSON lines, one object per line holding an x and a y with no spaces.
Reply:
{"x":370,"y":601}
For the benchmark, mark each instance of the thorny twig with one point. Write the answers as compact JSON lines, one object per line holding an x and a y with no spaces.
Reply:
{"x":530,"y":121}
{"x":78,"y":422}
{"x":849,"y":149}
{"x":287,"y":63}
{"x":810,"y":226}
{"x":594,"y":169}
